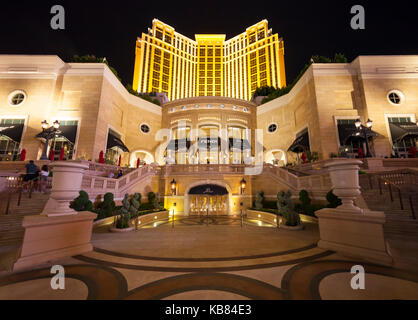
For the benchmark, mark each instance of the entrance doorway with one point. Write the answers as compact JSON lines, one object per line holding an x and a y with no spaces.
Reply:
{"x":208,"y":199}
{"x":207,"y":205}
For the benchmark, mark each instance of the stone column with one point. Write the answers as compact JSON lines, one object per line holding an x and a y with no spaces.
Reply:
{"x":58,"y":231}
{"x":348,"y":229}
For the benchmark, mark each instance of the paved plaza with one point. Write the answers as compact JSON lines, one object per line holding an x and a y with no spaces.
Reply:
{"x":209,"y":258}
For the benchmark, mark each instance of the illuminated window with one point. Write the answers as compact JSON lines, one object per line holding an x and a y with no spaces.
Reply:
{"x":272,"y":127}
{"x":17,"y":98}
{"x":395,"y":97}
{"x":145,"y":128}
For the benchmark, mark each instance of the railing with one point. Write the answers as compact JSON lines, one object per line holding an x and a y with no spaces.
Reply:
{"x":93,"y":184}
{"x":12,"y":183}
{"x":403,"y":181}
{"x":179,"y":169}
{"x":311,"y":182}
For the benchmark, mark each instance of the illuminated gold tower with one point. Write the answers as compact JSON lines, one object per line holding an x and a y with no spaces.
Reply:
{"x":166,"y":61}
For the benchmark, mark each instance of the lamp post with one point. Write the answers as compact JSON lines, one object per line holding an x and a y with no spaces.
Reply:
{"x":243,"y":185}
{"x":173,"y":187}
{"x":48,"y":133}
{"x":368,"y":126}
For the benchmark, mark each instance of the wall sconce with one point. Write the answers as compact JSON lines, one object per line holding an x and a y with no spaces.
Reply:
{"x":173,"y":187}
{"x":243,"y":185}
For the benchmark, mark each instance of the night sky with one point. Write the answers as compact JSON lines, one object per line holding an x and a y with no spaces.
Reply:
{"x":110,"y":28}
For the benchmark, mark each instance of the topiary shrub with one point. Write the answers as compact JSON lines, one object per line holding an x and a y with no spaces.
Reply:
{"x":135,"y":204}
{"x":151,"y":197}
{"x":286,"y":208}
{"x":259,"y":199}
{"x":107,"y":206}
{"x":82,"y":202}
{"x":333,"y":200}
{"x":125,"y":213}
{"x":156,"y":203}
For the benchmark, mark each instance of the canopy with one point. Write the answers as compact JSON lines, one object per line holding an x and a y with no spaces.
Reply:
{"x":209,"y":189}
{"x":69,"y":132}
{"x":113,"y":141}
{"x":178,"y":144}
{"x":301,"y":143}
{"x":400,"y":130}
{"x":12,"y":131}
{"x":347,"y":131}
{"x":208,"y":143}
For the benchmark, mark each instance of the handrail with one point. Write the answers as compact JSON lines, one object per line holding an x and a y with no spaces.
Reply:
{"x":404,"y":181}
{"x":93,"y":183}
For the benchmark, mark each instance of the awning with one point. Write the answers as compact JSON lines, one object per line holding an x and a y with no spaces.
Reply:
{"x":242,"y":144}
{"x":69,"y":132}
{"x":113,"y":141}
{"x":12,"y":131}
{"x":400,"y":130}
{"x":349,"y":131}
{"x":178,"y":144}
{"x":208,"y":143}
{"x":301,"y":144}
{"x":209,"y":189}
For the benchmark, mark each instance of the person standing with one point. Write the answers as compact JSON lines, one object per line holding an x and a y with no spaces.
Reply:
{"x":32,"y":172}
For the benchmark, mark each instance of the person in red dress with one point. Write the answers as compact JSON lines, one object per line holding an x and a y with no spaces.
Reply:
{"x":303,"y":157}
{"x":360,"y":153}
{"x":413,"y":152}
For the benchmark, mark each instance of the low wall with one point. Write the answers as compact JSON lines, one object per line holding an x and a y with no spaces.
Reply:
{"x":262,"y":216}
{"x":142,"y":220}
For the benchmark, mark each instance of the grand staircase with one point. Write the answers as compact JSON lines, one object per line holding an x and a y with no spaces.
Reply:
{"x":401,"y":229}
{"x":11,"y":230}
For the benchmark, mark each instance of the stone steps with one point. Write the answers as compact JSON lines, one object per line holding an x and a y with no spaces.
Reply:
{"x":399,"y":223}
{"x":11,"y":230}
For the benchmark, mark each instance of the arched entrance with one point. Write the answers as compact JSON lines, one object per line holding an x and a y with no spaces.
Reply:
{"x":207,"y":198}
{"x":143,"y":155}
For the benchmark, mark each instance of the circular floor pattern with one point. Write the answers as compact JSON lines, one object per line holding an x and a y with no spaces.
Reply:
{"x":102,"y":283}
{"x":302,"y":282}
{"x":193,"y":239}
{"x":239,"y":285}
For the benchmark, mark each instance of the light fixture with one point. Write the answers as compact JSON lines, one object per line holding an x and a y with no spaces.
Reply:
{"x":357,"y":123}
{"x":44,"y":124}
{"x":243,"y":184}
{"x":369,"y":123}
{"x":56,"y":124}
{"x":173,"y":186}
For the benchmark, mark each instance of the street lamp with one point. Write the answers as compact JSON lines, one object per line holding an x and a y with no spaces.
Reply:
{"x":173,"y":186}
{"x":243,"y":184}
{"x":48,"y":133}
{"x":359,"y":126}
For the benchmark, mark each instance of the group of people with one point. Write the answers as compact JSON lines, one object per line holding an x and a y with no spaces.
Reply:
{"x":112,"y":175}
{"x":34,"y":175}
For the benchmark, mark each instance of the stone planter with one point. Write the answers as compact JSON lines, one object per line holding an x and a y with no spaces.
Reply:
{"x":116,"y":230}
{"x":292,"y":228}
{"x":345,"y":182}
{"x":65,"y":187}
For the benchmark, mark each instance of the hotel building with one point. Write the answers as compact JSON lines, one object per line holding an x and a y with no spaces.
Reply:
{"x":210,"y":65}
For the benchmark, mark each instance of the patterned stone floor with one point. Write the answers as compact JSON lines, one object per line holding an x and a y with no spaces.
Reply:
{"x":209,"y":258}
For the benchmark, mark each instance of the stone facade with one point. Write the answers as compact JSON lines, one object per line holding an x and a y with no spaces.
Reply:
{"x":92,"y":95}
